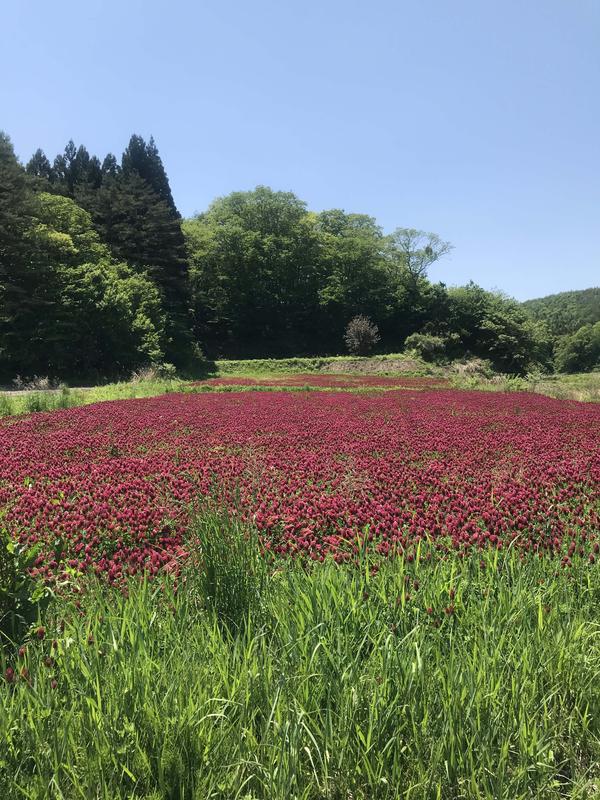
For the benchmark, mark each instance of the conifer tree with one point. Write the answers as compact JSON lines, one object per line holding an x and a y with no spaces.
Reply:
{"x":39,"y":166}
{"x":110,"y":166}
{"x":21,"y":276}
{"x":143,"y":159}
{"x":142,"y":230}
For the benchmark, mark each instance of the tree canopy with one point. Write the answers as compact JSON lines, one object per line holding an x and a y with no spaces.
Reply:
{"x":99,"y":274}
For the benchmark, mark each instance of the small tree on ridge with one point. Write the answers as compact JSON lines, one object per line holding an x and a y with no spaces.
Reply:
{"x":361,"y":336}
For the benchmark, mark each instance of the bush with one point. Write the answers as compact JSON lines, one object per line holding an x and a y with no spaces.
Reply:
{"x":361,"y":336}
{"x":427,"y":346}
{"x":162,"y":371}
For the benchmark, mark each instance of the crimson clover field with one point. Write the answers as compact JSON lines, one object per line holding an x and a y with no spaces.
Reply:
{"x":455,"y":655}
{"x":115,"y":482}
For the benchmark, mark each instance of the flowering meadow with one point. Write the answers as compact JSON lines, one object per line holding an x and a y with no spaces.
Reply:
{"x":316,"y":472}
{"x":306,"y":595}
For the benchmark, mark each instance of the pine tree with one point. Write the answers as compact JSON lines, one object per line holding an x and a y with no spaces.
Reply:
{"x":63,"y":167}
{"x":94,"y":172}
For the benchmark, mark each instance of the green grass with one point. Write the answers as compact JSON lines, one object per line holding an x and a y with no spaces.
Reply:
{"x":50,"y":400}
{"x":266,"y":367}
{"x":12,"y":403}
{"x":580,"y":386}
{"x":332,"y":682}
{"x":583,"y":386}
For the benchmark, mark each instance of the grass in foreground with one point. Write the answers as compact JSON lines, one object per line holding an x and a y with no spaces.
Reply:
{"x":472,"y":678}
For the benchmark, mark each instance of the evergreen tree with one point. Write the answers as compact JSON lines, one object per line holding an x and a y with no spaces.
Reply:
{"x":94,"y":172}
{"x":38,"y":166}
{"x":110,"y":167}
{"x":76,"y":171}
{"x":63,"y":168}
{"x":142,"y":230}
{"x":143,"y":159}
{"x":15,"y":205}
{"x":25,"y":284}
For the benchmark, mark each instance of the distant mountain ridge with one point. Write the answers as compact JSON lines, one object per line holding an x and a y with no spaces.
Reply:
{"x":566,"y":312}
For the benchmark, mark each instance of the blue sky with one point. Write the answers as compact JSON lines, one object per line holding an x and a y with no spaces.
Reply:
{"x":476,"y":119}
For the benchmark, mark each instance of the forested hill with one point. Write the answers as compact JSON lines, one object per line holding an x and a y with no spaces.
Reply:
{"x":100,"y":275}
{"x":566,"y":312}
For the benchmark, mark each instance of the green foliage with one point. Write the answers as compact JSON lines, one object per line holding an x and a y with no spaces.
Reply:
{"x":579,"y":351}
{"x":132,"y":209}
{"x":73,"y":171}
{"x":231,"y":567}
{"x":270,"y":276}
{"x":355,"y":275}
{"x":254,"y":273}
{"x":142,"y":159}
{"x":415,"y":251}
{"x":143,"y":231}
{"x":492,"y":326}
{"x":144,"y":383}
{"x":21,"y":598}
{"x":99,"y":317}
{"x":38,"y":166}
{"x":361,"y":336}
{"x":343,"y":686}
{"x":16,"y":225}
{"x":98,"y":273}
{"x":566,"y":312}
{"x":584,"y":387}
{"x":390,"y":363}
{"x":427,"y":346}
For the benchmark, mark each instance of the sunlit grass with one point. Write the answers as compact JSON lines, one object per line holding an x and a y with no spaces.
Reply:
{"x":470,"y":678}
{"x":584,"y":386}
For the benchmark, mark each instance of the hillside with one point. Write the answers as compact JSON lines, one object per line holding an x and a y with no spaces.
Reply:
{"x":566,"y":312}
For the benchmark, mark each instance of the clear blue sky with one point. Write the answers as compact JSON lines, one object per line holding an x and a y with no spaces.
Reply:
{"x":476,"y":119}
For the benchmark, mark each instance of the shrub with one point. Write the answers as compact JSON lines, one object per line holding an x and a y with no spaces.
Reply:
{"x":427,"y":346}
{"x":473,"y":368}
{"x":361,"y":336}
{"x":35,"y":384}
{"x":154,"y":372}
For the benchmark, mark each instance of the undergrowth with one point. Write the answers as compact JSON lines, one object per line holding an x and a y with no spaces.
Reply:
{"x":244,"y":677}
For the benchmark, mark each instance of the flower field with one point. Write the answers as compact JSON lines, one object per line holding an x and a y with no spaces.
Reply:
{"x":114,"y":482}
{"x":455,"y":655}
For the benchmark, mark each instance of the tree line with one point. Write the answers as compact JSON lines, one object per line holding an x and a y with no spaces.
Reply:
{"x":99,"y":275}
